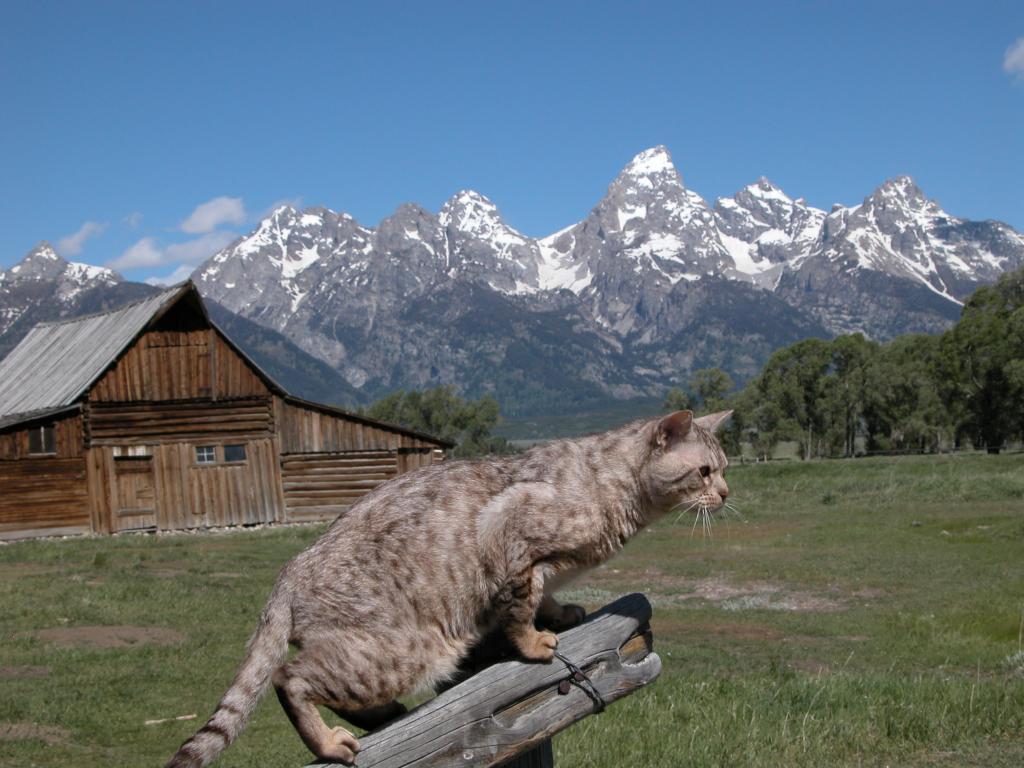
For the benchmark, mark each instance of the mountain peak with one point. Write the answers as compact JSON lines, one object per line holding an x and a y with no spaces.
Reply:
{"x":42,"y":250}
{"x":764,"y":189}
{"x":903,"y":188}
{"x":655,"y":161}
{"x":44,"y":263}
{"x":469,"y":211}
{"x":468,"y":198}
{"x":41,"y":262}
{"x":283,"y":212}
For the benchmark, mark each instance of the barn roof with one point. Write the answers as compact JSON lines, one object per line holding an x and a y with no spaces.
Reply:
{"x":57,"y":362}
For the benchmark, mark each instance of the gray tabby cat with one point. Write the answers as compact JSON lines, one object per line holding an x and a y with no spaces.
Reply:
{"x":401,"y":586}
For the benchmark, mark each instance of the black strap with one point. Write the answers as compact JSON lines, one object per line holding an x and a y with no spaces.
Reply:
{"x":579,"y":677}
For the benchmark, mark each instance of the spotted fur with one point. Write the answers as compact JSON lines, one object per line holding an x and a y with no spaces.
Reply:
{"x":399,"y":588}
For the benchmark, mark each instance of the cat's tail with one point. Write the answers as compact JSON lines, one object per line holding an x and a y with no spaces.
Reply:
{"x":265,"y":652}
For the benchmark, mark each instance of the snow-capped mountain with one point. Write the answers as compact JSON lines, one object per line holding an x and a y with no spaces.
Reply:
{"x":651,"y":283}
{"x":43,"y":282}
{"x":43,"y":287}
{"x":897,"y":263}
{"x":897,"y":230}
{"x":765,"y":230}
{"x":43,"y":263}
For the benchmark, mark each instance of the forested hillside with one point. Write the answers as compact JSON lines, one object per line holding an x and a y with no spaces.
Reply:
{"x":916,"y":392}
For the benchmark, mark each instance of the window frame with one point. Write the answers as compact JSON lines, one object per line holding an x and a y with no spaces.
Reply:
{"x":245,"y":453}
{"x":202,"y":462}
{"x":42,"y":431}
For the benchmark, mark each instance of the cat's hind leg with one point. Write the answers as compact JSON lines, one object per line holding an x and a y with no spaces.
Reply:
{"x":557,"y":617}
{"x":523,"y":595}
{"x":299,"y":698}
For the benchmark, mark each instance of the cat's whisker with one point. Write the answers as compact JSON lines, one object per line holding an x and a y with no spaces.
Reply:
{"x":725,"y":517}
{"x":729,"y":507}
{"x":682,"y":511}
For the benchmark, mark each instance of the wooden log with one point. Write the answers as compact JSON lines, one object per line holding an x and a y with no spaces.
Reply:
{"x":512,"y":707}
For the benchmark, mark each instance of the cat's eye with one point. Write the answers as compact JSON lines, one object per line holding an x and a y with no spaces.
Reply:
{"x":705,"y":471}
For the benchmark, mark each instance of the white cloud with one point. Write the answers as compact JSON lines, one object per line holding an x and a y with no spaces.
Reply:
{"x":148,"y":253}
{"x":1013,"y":59}
{"x":133,"y":219}
{"x":211,"y":214}
{"x":177,"y":276}
{"x":198,"y":250}
{"x":144,"y":253}
{"x":71,"y":245}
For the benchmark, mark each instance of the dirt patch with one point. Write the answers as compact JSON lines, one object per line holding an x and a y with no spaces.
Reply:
{"x":15,"y":673}
{"x":105,"y":637}
{"x":50,"y":734}
{"x":13,"y":571}
{"x":733,"y":630}
{"x":733,"y":596}
{"x":779,"y":600}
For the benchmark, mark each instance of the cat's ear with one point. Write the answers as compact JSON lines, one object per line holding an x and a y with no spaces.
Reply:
{"x":713,"y":421}
{"x":672,"y":428}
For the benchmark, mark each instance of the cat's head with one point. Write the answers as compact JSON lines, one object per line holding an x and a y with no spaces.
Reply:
{"x":686,"y":464}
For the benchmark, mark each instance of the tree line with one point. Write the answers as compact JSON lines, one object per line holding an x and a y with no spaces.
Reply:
{"x":914,"y":393}
{"x":441,"y":412}
{"x":832,"y":398}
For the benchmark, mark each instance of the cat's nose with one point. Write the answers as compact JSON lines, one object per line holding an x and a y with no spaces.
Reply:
{"x":724,"y":493}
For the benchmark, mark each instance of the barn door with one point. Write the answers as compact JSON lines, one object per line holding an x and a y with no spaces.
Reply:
{"x":135,"y":497}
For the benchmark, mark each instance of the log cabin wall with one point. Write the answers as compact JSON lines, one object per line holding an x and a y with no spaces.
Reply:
{"x":164,"y":485}
{"x":179,"y":365}
{"x":43,"y":493}
{"x":305,"y":429}
{"x":67,"y":433}
{"x":414,"y":458}
{"x":145,"y":472}
{"x":43,"y":496}
{"x":328,"y":461}
{"x":138,"y":423}
{"x":320,"y":486}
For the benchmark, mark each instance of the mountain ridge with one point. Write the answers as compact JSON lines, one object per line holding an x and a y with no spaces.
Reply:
{"x":643,"y":275}
{"x":651,"y":284}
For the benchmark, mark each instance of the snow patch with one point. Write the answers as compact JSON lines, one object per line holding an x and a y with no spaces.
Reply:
{"x":650,"y":161}
{"x":628,"y":212}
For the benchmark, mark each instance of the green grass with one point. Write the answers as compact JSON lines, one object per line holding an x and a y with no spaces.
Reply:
{"x":867,"y":612}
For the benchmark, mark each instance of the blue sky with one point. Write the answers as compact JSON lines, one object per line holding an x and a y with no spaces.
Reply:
{"x":145,"y":135}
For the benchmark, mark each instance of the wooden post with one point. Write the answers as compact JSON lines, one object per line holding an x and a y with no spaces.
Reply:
{"x":512,"y":707}
{"x":542,"y":756}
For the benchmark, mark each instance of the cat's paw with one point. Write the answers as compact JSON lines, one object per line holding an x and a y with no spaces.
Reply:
{"x":539,"y":646}
{"x":340,"y":745}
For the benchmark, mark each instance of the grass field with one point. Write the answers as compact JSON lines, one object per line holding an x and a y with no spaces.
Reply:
{"x":867,"y":612}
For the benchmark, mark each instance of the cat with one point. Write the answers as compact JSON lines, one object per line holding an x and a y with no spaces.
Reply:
{"x":399,"y":588}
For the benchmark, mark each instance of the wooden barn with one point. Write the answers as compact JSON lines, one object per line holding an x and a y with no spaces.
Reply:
{"x":149,"y":417}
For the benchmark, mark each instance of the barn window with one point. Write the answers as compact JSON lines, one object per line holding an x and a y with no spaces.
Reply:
{"x":41,"y":439}
{"x":206,"y":454}
{"x":234,"y":452}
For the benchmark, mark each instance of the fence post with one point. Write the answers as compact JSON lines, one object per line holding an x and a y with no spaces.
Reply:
{"x":506,"y":713}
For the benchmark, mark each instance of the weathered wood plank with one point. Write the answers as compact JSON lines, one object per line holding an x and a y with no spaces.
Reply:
{"x":511,"y":707}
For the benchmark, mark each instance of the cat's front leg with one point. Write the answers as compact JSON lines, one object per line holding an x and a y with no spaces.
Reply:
{"x":557,"y":617}
{"x":524,"y":594}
